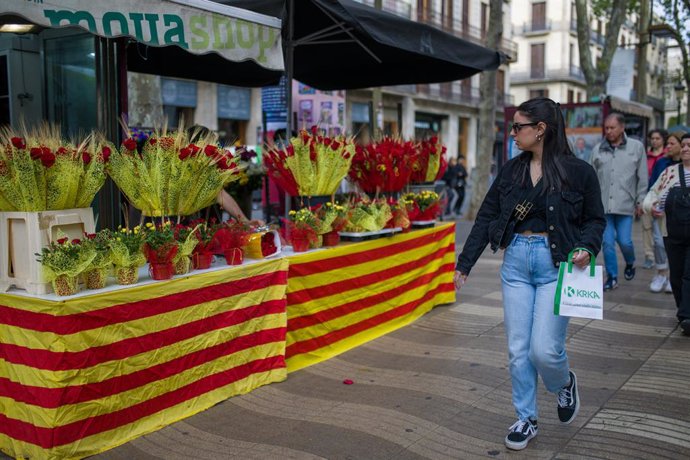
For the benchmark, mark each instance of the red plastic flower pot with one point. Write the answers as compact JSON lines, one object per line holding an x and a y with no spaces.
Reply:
{"x":202,"y":261}
{"x":300,"y":244}
{"x":163,"y":271}
{"x":331,"y":239}
{"x":234,"y":256}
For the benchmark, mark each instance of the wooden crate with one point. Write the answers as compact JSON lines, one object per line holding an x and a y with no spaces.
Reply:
{"x":24,"y":234}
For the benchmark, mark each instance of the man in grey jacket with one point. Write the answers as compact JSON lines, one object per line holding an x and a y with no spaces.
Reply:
{"x":621,"y":166}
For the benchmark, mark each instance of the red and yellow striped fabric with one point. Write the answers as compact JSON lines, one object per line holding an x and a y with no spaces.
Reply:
{"x":351,"y":294}
{"x":85,"y":374}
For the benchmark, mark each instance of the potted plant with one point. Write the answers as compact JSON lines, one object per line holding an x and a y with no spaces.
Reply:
{"x":422,"y":206}
{"x":126,"y":252}
{"x":186,"y":242}
{"x":365,"y":215}
{"x":333,"y":218}
{"x":63,"y":261}
{"x":303,"y":229}
{"x":202,"y":256}
{"x":96,"y":274}
{"x":160,"y":248}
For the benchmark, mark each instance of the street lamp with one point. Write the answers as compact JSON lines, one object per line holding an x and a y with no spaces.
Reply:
{"x":680,"y":91}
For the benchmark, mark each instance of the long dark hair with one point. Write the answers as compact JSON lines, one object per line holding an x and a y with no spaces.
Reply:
{"x":556,"y":147}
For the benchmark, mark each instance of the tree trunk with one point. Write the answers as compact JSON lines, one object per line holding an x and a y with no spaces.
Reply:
{"x":596,"y":76}
{"x":487,"y":114}
{"x":643,"y":39}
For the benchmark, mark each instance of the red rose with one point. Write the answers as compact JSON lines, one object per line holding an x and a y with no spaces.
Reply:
{"x":76,"y":241}
{"x":62,"y":151}
{"x":48,"y":159}
{"x":90,"y":236}
{"x":62,"y":240}
{"x":314,"y":130}
{"x":223,"y":163}
{"x":36,"y":153}
{"x":335,"y":145}
{"x":210,"y":150}
{"x":184,"y":153}
{"x":18,"y":142}
{"x":130,"y":144}
{"x":152,"y":140}
{"x":86,"y":157}
{"x":106,"y":154}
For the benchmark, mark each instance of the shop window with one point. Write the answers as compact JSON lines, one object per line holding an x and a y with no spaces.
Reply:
{"x":4,"y":92}
{"x":71,"y":82}
{"x":232,"y":132}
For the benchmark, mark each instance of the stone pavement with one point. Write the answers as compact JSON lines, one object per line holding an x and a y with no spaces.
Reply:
{"x":440,"y":388}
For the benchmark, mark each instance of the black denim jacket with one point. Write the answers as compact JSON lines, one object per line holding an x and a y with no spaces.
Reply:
{"x":574,"y":216}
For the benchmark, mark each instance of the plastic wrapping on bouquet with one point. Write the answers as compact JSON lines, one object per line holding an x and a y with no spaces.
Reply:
{"x":163,"y":271}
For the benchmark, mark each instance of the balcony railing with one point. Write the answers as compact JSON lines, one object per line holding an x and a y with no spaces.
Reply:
{"x":572,"y":73}
{"x":535,"y":27}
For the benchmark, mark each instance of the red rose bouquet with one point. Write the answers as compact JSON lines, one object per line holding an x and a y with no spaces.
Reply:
{"x":40,"y":171}
{"x":430,"y":163}
{"x":171,"y":175}
{"x":383,"y":166}
{"x":312,"y":164}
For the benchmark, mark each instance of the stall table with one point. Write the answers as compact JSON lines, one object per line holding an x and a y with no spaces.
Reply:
{"x":86,"y":373}
{"x":83,"y":374}
{"x":345,"y":296}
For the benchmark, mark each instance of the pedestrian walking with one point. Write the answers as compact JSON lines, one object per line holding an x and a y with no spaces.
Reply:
{"x":542,"y":205}
{"x":460,"y":183}
{"x":450,"y":177}
{"x":670,"y":196}
{"x":621,"y":166}
{"x":657,"y":150}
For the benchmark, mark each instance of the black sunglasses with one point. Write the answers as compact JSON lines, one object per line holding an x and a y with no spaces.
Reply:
{"x":518,"y":126}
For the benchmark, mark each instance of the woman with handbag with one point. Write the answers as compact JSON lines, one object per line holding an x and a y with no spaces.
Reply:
{"x":542,"y":205}
{"x":670,"y":197}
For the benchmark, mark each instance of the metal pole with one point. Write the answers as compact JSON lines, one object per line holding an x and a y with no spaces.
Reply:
{"x":289,"y":72}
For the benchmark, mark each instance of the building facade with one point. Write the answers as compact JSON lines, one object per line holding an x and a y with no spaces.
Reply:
{"x":548,"y":62}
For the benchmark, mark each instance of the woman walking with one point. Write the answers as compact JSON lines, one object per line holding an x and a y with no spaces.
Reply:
{"x":543,"y":204}
{"x":670,"y":196}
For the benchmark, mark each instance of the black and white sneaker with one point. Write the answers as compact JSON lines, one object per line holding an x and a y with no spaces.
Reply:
{"x":568,"y":401}
{"x":629,"y":272}
{"x":520,"y":434}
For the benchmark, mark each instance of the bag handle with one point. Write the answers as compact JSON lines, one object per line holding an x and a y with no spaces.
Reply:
{"x":592,"y":260}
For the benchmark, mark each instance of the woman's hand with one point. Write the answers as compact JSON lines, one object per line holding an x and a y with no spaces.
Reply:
{"x":581,"y":259}
{"x":459,"y":280}
{"x":656,"y":212}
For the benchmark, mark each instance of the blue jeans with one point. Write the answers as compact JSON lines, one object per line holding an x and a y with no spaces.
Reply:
{"x":536,"y":337}
{"x":618,"y":229}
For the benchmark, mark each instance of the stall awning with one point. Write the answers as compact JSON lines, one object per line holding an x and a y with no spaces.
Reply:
{"x":199,"y":27}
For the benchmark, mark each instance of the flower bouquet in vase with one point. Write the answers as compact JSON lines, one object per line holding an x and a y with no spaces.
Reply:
{"x":312,"y":164}
{"x":423,"y":206}
{"x":40,"y":171}
{"x":231,"y":237}
{"x":63,"y":261}
{"x":202,"y":255}
{"x":171,"y":175}
{"x":383,"y":166}
{"x":126,"y":252}
{"x":333,"y":218}
{"x":429,"y":164}
{"x":303,"y":229}
{"x":186,"y":242}
{"x":96,"y":275}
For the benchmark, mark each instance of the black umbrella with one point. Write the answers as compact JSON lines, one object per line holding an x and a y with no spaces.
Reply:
{"x":342,"y":44}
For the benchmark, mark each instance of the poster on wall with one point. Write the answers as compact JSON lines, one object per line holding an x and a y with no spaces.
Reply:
{"x":305,"y":89}
{"x":305,"y":116}
{"x":583,"y":129}
{"x":326,"y":112}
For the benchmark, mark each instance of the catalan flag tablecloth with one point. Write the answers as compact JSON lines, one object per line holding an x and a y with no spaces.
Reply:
{"x":342,"y":297}
{"x":84,"y":374}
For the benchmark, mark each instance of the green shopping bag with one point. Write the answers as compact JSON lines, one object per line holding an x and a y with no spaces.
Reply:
{"x":580,"y":291}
